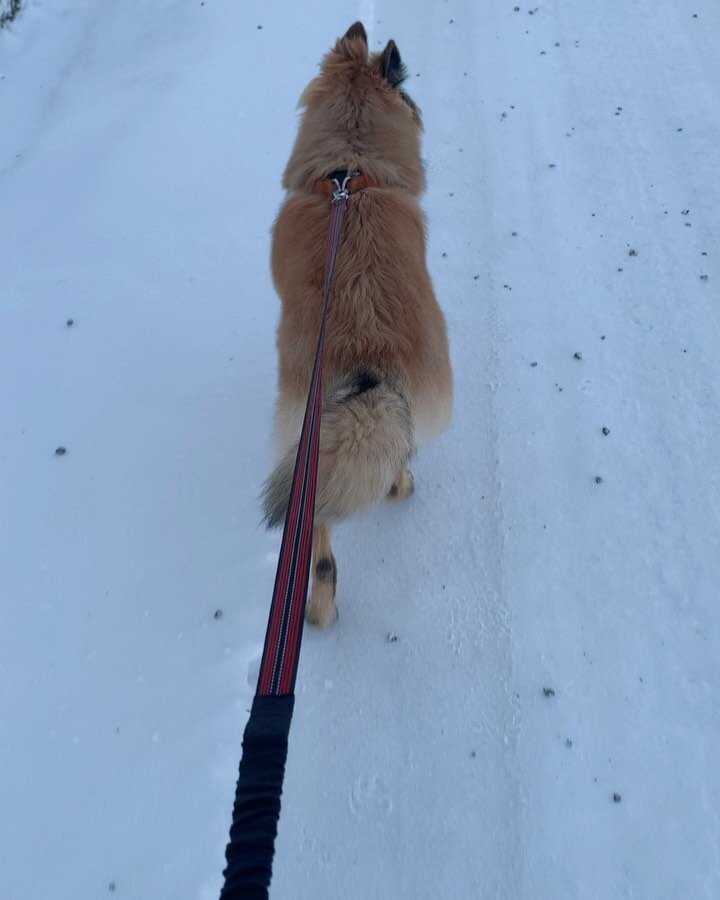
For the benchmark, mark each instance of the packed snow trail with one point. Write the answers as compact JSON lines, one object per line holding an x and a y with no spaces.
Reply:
{"x":519,"y":699}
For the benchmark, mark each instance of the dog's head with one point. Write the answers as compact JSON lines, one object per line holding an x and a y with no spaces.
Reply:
{"x":357,"y":116}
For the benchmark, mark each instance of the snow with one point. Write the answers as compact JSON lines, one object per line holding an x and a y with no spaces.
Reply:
{"x":140,"y":157}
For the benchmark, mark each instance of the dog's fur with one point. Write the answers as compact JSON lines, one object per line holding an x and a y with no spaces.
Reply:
{"x":387,"y":379}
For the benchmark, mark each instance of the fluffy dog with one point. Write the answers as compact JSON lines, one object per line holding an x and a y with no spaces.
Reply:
{"x":387,"y":378}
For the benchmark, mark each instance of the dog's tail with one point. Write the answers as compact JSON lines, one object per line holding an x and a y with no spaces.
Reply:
{"x":366,"y":437}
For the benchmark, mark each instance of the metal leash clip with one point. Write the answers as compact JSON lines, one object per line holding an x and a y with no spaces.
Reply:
{"x":341,"y":191}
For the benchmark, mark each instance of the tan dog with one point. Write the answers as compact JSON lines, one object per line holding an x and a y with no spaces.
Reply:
{"x":387,"y":379}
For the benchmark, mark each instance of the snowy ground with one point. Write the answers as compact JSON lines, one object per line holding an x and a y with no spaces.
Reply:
{"x":574,"y":183}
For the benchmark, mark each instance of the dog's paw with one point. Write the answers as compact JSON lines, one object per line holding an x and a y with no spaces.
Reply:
{"x":321,"y":610}
{"x":402,"y":488}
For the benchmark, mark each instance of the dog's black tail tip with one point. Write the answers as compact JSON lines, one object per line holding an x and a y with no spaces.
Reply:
{"x":276,"y":491}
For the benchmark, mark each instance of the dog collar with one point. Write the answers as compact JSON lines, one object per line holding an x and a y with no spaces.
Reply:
{"x":355,"y":183}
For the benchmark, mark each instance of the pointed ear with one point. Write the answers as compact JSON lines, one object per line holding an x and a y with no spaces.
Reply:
{"x":353,"y":44}
{"x":356,"y":31}
{"x":391,"y":66}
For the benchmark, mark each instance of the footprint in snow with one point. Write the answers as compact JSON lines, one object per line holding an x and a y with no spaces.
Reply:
{"x":370,"y":798}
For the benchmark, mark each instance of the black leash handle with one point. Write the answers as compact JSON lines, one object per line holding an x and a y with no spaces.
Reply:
{"x":256,"y":811}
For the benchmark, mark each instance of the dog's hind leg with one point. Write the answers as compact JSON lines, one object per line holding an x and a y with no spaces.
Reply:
{"x":402,"y":487}
{"x":321,"y":609}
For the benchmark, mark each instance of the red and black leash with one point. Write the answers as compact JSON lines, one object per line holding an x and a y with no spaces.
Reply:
{"x":249,"y":854}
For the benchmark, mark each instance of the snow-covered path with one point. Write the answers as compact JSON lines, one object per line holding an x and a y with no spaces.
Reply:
{"x":574,"y":183}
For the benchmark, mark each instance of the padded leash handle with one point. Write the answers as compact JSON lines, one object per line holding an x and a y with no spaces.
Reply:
{"x":249,"y":853}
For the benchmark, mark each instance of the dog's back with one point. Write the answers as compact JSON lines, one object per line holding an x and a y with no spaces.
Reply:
{"x":387,"y":375}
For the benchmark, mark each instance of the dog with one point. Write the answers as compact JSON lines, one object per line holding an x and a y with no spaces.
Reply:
{"x":387,"y":379}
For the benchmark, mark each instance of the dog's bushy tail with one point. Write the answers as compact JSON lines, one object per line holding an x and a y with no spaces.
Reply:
{"x":366,"y":437}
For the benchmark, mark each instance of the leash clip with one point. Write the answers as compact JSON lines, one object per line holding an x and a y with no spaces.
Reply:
{"x":341,"y":191}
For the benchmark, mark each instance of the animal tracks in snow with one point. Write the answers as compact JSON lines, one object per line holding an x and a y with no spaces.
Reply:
{"x":370,"y":798}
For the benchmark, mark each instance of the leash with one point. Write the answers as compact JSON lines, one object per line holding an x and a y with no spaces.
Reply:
{"x":256,"y":810}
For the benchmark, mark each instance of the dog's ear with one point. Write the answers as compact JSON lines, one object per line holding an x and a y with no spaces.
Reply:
{"x":353,"y":44}
{"x":391,"y":66}
{"x":356,"y":31}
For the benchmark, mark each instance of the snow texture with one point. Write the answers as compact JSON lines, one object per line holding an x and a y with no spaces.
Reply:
{"x":520,"y":697}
